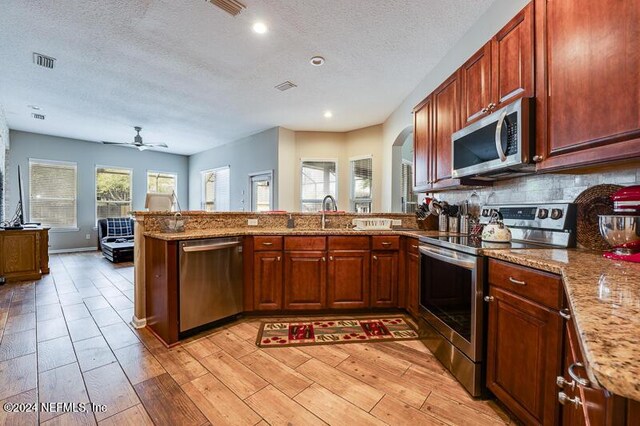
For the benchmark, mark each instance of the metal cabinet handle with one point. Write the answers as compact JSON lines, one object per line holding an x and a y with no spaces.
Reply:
{"x":513,"y":280}
{"x":538,"y":158}
{"x":324,"y":259}
{"x":563,"y":398}
{"x":385,"y":243}
{"x":375,"y":257}
{"x":267,"y":244}
{"x":415,"y":246}
{"x":561,"y":382}
{"x":485,"y":109}
{"x":491,"y":106}
{"x":565,"y":313}
{"x":330,"y":257}
{"x":489,"y":298}
{"x":278,"y":258}
{"x":579,"y":380}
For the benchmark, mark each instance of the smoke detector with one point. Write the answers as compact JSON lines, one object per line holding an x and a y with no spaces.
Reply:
{"x":232,"y":7}
{"x":285,"y":86}
{"x":44,"y":60}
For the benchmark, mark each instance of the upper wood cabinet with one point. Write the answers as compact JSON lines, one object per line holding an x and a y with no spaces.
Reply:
{"x":501,"y":71}
{"x":422,"y":140}
{"x":588,"y":91}
{"x":446,"y":121}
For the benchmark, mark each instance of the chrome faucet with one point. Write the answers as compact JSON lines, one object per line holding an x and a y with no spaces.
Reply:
{"x":335,"y":208}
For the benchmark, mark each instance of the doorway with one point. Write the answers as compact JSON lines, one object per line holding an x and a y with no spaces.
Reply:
{"x":261,"y":191}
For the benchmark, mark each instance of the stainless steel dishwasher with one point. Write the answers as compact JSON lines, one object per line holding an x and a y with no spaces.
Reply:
{"x":210,"y":281}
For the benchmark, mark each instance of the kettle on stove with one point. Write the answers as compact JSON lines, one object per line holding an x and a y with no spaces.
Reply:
{"x":496,"y":231}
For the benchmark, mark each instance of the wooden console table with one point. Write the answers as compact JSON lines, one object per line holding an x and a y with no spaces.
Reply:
{"x":24,"y":254}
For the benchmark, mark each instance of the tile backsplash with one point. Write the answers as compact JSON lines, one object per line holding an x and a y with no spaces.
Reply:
{"x":545,"y":187}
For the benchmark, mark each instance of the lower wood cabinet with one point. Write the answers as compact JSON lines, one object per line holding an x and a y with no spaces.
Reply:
{"x":384,"y":279}
{"x":349,"y":279}
{"x":24,"y":254}
{"x":305,"y":277}
{"x":412,"y":265}
{"x":267,"y":280}
{"x":524,"y":340}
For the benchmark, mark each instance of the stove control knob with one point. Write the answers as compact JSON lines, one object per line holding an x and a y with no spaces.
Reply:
{"x":543,"y":213}
{"x":556,"y":214}
{"x":485,"y":212}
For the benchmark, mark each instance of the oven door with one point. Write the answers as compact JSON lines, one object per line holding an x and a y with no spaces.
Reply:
{"x":451,"y":292}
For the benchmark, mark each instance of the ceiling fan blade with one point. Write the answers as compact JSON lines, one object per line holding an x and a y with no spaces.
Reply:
{"x":116,"y":143}
{"x":157,"y":145}
{"x":142,"y":147}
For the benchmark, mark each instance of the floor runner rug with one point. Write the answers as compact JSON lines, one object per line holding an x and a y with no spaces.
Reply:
{"x":322,"y":332}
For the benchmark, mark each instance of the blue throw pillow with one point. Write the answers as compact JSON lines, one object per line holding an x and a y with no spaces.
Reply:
{"x":118,"y":227}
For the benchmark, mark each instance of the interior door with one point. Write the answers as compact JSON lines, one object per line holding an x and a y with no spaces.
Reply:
{"x":261,"y":192}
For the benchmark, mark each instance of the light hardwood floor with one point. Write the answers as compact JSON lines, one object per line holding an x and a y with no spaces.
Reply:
{"x":67,"y":338}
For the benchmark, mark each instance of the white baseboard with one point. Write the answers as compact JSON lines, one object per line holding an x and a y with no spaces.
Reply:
{"x":138,"y":323}
{"x":73,"y":250}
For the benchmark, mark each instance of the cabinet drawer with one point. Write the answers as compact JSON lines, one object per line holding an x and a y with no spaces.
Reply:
{"x":349,"y":243}
{"x":385,"y":243}
{"x":305,"y":243}
{"x":268,"y":242}
{"x":541,"y":287}
{"x":412,"y":245}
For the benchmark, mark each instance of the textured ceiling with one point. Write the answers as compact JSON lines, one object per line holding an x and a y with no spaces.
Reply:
{"x":195,"y":77}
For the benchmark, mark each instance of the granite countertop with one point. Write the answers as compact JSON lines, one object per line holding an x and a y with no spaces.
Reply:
{"x":235,"y":232}
{"x":604,"y":297}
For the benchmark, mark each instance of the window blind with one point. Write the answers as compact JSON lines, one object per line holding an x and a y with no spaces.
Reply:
{"x":113,"y":192}
{"x":53,"y":193}
{"x":318,"y":180}
{"x":361,"y":180}
{"x":409,"y":199}
{"x":165,"y":183}
{"x":216,"y":193}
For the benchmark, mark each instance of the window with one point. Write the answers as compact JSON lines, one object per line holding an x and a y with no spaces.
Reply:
{"x":113,"y":192}
{"x":409,"y":199}
{"x":53,"y":195}
{"x":215,"y":190}
{"x":361,"y":176}
{"x":318,"y":180}
{"x":164,"y":183}
{"x":261,"y":192}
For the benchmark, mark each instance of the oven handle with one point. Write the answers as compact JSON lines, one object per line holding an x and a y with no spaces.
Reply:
{"x":460,"y":259}
{"x":501,"y":120}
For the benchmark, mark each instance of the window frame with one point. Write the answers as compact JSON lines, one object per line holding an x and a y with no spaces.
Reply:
{"x":173,"y":174}
{"x":203,"y":201}
{"x":53,"y":162}
{"x":325,"y":160}
{"x":409,"y":163}
{"x":258,"y":174}
{"x":352,"y":199}
{"x":95,"y":186}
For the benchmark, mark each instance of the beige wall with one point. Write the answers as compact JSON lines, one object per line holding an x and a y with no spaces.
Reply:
{"x":338,"y":146}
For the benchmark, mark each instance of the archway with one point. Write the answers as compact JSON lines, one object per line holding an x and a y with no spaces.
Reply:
{"x":401,"y":152}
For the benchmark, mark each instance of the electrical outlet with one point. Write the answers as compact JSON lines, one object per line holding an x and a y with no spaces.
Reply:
{"x":252,"y":222}
{"x":87,"y":236}
{"x":396,"y":222}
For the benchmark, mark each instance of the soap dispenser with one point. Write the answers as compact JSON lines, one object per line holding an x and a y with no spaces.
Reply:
{"x":290,"y":223}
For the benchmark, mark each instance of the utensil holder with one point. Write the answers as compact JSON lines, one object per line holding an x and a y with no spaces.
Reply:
{"x":454,"y":224}
{"x":443,"y":223}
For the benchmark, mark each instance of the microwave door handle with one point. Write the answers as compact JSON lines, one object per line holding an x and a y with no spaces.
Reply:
{"x":501,"y":121}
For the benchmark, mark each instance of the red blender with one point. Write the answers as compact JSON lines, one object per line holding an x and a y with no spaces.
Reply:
{"x":622,"y":229}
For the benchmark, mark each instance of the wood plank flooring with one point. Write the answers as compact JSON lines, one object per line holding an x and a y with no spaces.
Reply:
{"x":67,"y":338}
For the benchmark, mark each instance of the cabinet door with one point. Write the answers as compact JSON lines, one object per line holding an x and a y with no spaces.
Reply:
{"x":446,"y":103}
{"x":588,"y":82}
{"x":475,"y":80}
{"x":20,"y":255}
{"x":422,"y":140}
{"x":412,"y":273}
{"x":384,"y":279}
{"x":305,"y":280}
{"x":267,"y":277}
{"x":524,"y":356}
{"x":512,"y":56}
{"x":348,"y":279}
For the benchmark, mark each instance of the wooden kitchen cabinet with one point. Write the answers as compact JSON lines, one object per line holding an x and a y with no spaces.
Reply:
{"x":588,"y":90}
{"x":446,"y":112}
{"x":501,"y":71}
{"x":267,"y":275}
{"x":305,"y":280}
{"x":349,"y":279}
{"x":24,"y":254}
{"x":384,"y":279}
{"x":422,"y":143}
{"x":524,"y":341}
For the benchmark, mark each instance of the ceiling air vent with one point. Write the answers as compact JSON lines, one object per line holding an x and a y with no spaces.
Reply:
{"x":43,"y":60}
{"x":232,"y":7}
{"x":285,"y":86}
{"x":37,"y":116}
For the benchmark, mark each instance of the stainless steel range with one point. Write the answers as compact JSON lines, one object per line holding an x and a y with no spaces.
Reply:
{"x":453,"y":282}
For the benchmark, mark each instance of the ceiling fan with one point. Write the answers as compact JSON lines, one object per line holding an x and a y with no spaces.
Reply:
{"x":137,"y":142}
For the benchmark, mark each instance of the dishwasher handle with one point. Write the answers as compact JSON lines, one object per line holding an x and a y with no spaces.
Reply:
{"x":211,"y":247}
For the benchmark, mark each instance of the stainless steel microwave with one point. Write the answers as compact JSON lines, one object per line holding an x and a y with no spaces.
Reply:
{"x":498,"y":145}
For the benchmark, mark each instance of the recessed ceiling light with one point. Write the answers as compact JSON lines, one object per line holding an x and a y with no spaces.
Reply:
{"x":35,"y":107}
{"x":328,"y":114}
{"x":317,"y":61}
{"x":260,"y":28}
